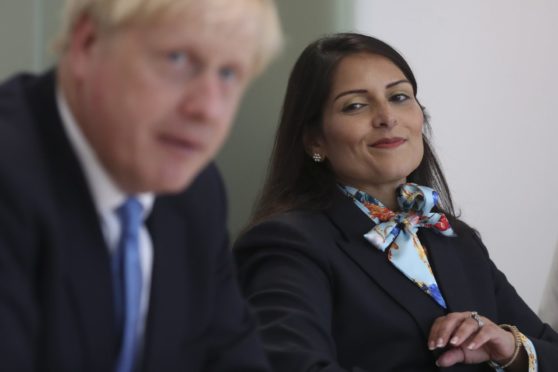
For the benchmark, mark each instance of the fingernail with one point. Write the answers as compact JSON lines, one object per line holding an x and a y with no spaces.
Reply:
{"x":437,"y":364}
{"x":454,"y":340}
{"x":471,"y":346}
{"x":431,"y":345}
{"x":440,"y":342}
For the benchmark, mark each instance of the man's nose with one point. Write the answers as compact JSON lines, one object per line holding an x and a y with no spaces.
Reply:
{"x":203,"y":98}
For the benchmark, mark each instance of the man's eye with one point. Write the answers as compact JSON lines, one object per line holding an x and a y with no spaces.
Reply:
{"x":228,"y":74}
{"x":178,"y":59}
{"x":353,"y":107}
{"x":178,"y":65}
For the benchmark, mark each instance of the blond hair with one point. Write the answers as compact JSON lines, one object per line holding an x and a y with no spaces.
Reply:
{"x":112,"y":14}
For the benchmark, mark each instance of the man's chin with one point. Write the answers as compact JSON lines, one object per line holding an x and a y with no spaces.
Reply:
{"x":172,"y":182}
{"x":166,"y":179}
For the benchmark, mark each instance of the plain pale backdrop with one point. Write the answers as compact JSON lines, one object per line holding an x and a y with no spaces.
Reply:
{"x":487,"y":73}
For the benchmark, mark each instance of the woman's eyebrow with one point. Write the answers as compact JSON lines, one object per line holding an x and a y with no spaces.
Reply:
{"x":352,"y":91}
{"x":398,"y":82}
{"x":363,"y":91}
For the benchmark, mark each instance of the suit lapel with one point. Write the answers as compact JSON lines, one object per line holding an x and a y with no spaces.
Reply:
{"x":83,"y":252}
{"x":162,"y":328}
{"x":175,"y":283}
{"x":89,"y":282}
{"x":353,"y":224}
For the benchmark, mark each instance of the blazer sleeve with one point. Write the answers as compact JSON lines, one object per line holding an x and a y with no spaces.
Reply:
{"x":19,"y":316}
{"x":234,"y":342}
{"x":513,"y":310}
{"x":288,"y":286}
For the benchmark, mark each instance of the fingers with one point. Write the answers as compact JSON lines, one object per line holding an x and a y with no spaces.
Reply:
{"x":462,"y":334}
{"x":452,"y":329}
{"x":451,"y":357}
{"x":479,"y":339}
{"x":469,"y":339}
{"x":500,"y":344}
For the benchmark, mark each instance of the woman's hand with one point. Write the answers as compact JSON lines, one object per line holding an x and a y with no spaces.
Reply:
{"x":470,"y":341}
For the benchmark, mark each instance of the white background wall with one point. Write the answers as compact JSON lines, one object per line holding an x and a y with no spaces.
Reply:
{"x":487,"y":72}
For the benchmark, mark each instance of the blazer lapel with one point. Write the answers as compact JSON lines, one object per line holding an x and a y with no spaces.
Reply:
{"x":83,"y":252}
{"x":448,"y":269}
{"x":353,"y":224}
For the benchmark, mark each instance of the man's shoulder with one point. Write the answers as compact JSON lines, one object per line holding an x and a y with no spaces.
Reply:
{"x":21,"y":159}
{"x":16,"y":82}
{"x":14,"y":92}
{"x":198,"y":214}
{"x":205,"y":197}
{"x":14,"y":107}
{"x":20,"y":99}
{"x":207,"y":181}
{"x":208,"y":184}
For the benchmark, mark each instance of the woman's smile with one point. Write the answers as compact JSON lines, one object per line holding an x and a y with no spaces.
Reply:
{"x":388,"y":143}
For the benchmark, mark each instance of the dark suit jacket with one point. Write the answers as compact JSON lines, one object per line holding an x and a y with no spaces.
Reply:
{"x":56,"y":301}
{"x":328,"y":301}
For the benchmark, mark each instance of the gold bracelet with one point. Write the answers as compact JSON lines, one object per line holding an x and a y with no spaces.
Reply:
{"x":517,"y":338}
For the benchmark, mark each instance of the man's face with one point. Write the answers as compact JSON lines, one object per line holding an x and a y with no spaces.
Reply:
{"x":156,"y":100}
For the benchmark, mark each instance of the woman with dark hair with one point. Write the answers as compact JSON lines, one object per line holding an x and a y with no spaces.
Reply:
{"x":353,"y":261}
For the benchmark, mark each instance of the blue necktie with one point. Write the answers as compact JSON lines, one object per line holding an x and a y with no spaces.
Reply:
{"x":127,"y":277}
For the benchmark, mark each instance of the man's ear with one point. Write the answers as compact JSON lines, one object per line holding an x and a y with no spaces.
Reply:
{"x":83,"y":38}
{"x":314,"y":144}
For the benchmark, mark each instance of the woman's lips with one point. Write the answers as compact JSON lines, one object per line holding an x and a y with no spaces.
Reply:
{"x":388,"y":143}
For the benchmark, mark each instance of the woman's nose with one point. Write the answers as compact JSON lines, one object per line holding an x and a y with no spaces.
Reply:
{"x":384,"y":117}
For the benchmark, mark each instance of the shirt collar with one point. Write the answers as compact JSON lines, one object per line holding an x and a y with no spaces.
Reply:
{"x":107,"y":196}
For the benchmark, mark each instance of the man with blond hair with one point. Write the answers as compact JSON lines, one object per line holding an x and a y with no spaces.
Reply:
{"x":113,"y":246}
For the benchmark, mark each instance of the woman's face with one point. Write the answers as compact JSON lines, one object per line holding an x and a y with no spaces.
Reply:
{"x":372,"y":126}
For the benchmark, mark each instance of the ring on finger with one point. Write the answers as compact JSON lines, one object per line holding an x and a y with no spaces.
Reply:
{"x":477,"y":318}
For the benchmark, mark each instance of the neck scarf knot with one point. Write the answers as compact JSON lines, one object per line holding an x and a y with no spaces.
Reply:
{"x":395,"y":233}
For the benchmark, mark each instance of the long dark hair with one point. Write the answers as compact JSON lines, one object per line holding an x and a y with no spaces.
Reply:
{"x":294,"y":181}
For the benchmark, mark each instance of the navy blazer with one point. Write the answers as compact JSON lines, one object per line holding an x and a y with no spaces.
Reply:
{"x":56,"y":301}
{"x":327,"y":300}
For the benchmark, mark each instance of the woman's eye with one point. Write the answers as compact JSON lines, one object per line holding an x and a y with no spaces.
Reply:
{"x":400,"y":97}
{"x":353,"y":107}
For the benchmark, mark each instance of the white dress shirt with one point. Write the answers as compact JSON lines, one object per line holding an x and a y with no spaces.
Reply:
{"x":107,"y":198}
